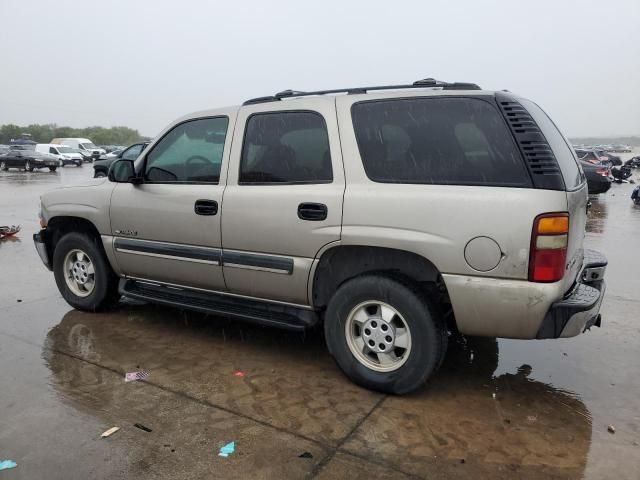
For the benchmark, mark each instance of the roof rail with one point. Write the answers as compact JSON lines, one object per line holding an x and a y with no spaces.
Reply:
{"x":425,"y":83}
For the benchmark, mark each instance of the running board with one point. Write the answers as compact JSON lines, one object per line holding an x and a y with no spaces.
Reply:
{"x":264,"y":313}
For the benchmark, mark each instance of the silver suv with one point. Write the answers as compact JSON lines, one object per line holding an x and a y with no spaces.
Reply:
{"x":391,"y":215}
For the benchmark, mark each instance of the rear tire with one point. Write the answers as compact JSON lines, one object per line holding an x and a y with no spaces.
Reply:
{"x":28,"y":167}
{"x":53,"y":169}
{"x":83,"y":274}
{"x":3,"y":166}
{"x":405,"y":326}
{"x":100,"y":174}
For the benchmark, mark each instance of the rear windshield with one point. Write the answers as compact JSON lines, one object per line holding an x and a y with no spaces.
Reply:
{"x":571,"y":173}
{"x":461,"y":141}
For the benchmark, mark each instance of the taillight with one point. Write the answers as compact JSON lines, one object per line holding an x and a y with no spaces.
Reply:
{"x":603,"y":171}
{"x":549,"y":241}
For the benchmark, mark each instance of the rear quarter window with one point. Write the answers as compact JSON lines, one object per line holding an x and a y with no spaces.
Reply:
{"x":441,"y":140}
{"x":573,"y":176}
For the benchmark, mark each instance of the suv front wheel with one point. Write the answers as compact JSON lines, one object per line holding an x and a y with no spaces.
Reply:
{"x":83,"y":274}
{"x":385,"y":333}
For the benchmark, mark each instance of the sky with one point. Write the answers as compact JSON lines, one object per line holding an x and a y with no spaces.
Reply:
{"x":144,"y":63}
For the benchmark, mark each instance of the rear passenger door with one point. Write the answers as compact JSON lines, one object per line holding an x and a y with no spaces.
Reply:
{"x":283,"y":201}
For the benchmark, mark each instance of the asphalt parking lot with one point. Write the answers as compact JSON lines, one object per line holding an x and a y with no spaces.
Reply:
{"x":497,"y":408}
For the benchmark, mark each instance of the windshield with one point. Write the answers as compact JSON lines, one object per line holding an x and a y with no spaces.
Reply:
{"x":66,"y":150}
{"x":88,"y":145}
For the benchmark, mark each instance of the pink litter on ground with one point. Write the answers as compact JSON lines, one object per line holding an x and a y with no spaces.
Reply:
{"x":239,"y":373}
{"x":133,"y":376}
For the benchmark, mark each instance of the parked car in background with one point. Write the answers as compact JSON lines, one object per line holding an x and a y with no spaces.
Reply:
{"x":82,"y":144}
{"x":65,"y":154}
{"x":591,"y":156}
{"x":598,"y":177}
{"x":620,"y":148}
{"x":26,"y":158}
{"x":101,"y":167}
{"x":111,"y":154}
{"x":608,"y":157}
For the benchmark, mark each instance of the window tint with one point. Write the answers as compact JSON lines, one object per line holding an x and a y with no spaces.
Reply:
{"x":191,"y":152}
{"x":286,"y":147}
{"x":460,"y":141}
{"x":132,"y":152}
{"x":571,"y":173}
{"x":52,"y":150}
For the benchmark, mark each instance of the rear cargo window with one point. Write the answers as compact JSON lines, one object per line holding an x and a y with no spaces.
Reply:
{"x":459,"y":141}
{"x":571,"y":173}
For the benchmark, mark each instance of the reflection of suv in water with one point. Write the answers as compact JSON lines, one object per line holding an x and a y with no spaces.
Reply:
{"x":390,"y":214}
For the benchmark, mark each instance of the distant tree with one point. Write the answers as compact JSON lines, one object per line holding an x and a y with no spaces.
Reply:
{"x":98,"y":135}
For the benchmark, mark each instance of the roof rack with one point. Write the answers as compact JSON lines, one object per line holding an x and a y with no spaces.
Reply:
{"x":425,"y":83}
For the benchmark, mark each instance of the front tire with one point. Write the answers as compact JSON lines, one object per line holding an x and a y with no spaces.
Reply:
{"x":83,"y":274}
{"x":385,"y":333}
{"x":3,"y":166}
{"x":28,"y":167}
{"x":100,"y":174}
{"x":53,"y":169}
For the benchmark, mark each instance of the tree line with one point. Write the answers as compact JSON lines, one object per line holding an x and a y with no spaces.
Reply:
{"x":45,"y":133}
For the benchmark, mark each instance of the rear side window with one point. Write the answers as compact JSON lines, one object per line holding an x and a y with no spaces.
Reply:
{"x":461,"y":141}
{"x":571,"y":173}
{"x":285,"y":147}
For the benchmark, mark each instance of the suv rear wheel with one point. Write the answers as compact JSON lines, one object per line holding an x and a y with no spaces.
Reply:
{"x":83,"y":274}
{"x":384,"y":333}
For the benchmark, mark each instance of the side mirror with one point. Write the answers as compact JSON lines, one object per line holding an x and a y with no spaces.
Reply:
{"x":123,"y":171}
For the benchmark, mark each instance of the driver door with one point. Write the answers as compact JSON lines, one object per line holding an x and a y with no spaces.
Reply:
{"x":167,"y":229}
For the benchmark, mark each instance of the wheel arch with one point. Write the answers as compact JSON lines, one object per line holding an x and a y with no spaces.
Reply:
{"x":58,"y":226}
{"x":343,"y":262}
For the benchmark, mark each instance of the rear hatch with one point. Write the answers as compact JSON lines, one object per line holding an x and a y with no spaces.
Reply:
{"x":574,"y":184}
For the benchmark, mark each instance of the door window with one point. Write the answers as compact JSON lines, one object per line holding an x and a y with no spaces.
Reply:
{"x":132,"y":152}
{"x":190,"y":153}
{"x":52,"y":150}
{"x":286,"y":147}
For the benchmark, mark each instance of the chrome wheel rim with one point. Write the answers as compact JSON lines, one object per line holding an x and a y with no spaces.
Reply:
{"x":378,"y":336}
{"x":2,"y":165}
{"x":79,"y":273}
{"x":27,"y":165}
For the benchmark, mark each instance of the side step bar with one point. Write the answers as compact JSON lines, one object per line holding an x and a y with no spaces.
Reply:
{"x":264,"y":313}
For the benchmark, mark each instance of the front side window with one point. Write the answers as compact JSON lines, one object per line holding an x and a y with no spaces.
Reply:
{"x":286,"y":147}
{"x":190,"y":153}
{"x":132,"y":152}
{"x":52,"y":150}
{"x":448,"y":141}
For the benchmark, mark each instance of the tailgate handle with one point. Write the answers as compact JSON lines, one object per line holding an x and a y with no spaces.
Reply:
{"x":314,"y":212}
{"x":206,"y":207}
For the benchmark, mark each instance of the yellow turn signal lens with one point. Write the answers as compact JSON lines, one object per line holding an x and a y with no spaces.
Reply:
{"x":553,"y":225}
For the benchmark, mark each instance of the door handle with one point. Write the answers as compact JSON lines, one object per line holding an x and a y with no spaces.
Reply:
{"x":206,"y":207}
{"x":313,"y":212}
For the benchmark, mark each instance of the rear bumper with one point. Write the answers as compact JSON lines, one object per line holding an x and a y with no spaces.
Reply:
{"x":41,"y":248}
{"x":508,"y":308}
{"x":579,"y":310}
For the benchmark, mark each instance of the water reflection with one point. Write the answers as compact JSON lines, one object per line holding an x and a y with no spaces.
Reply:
{"x":597,"y":214}
{"x":529,"y":426}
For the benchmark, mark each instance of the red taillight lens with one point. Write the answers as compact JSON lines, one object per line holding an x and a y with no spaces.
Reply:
{"x":549,"y":247}
{"x":603,"y":171}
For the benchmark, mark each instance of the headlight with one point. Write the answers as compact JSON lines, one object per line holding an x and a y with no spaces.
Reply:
{"x":42,"y":221}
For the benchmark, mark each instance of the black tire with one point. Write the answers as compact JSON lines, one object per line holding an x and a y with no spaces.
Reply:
{"x":53,"y":169}
{"x":28,"y":167}
{"x":79,"y":163}
{"x":100,"y":174}
{"x":426,"y":324}
{"x":3,"y":166}
{"x":105,"y":290}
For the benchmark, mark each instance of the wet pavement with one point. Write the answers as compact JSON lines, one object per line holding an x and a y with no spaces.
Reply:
{"x":62,"y":385}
